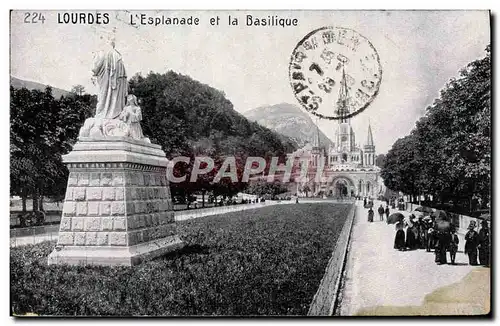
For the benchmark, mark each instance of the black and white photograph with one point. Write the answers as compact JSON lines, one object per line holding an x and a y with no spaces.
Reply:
{"x":250,"y":163}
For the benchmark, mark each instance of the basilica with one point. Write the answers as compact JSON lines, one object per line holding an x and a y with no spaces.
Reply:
{"x":344,"y":169}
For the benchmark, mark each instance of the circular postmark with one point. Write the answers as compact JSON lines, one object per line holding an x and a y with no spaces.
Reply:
{"x":335,"y":72}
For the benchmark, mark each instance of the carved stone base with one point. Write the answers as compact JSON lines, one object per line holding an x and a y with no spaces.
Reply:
{"x":114,"y":255}
{"x":118,"y":208}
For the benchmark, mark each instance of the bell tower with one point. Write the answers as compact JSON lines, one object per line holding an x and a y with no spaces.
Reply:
{"x":345,"y":140}
{"x":369,"y":149}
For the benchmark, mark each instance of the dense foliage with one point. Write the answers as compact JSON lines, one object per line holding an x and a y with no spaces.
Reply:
{"x":263,"y":188}
{"x":184,"y":116}
{"x":192,"y":119}
{"x":448,"y":153}
{"x":42,"y":129}
{"x":268,"y":261}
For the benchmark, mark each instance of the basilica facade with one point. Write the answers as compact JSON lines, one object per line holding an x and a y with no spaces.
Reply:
{"x":344,"y":169}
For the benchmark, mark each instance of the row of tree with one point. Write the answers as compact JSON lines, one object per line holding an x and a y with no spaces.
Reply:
{"x":42,"y":129}
{"x":448,"y":153}
{"x":184,"y":116}
{"x":192,"y":119}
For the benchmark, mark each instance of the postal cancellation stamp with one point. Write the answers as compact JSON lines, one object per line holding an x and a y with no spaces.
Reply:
{"x":325,"y":60}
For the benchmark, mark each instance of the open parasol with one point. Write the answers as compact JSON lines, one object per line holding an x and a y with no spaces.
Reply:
{"x":394,"y":218}
{"x":418,"y":214}
{"x":485,"y":216}
{"x":425,"y":210}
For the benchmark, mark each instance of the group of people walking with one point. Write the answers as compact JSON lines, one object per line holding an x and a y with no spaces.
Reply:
{"x":427,"y":234}
{"x":381,"y":212}
{"x":478,"y":243}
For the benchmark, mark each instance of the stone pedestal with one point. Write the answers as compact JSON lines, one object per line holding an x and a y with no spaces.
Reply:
{"x":118,"y":209}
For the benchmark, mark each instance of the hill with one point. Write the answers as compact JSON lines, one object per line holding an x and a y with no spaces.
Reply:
{"x":289,"y":120}
{"x":188,"y":117}
{"x":20,"y":83}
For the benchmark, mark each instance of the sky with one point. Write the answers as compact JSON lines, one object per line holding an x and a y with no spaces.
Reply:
{"x":419,"y":52}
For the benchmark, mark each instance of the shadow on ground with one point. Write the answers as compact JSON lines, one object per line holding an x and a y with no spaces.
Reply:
{"x":470,"y":296}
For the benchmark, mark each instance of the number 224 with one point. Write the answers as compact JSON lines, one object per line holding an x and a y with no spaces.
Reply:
{"x":33,"y":17}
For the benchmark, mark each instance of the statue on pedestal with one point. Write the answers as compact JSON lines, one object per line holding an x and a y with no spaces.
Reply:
{"x":111,"y":78}
{"x":113,"y":117}
{"x":118,"y":208}
{"x":132,"y":116}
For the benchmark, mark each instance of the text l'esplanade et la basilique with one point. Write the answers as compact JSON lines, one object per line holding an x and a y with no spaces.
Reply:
{"x":148,"y":19}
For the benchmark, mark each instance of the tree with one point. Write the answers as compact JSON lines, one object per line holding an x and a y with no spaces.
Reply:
{"x":380,"y":160}
{"x":448,"y":153}
{"x":42,"y":130}
{"x":191,"y":119}
{"x":78,"y":90}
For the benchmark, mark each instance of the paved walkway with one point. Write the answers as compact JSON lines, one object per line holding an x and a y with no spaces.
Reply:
{"x":379,"y":275}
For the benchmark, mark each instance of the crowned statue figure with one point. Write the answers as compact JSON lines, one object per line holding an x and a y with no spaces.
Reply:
{"x":113,"y":115}
{"x":109,"y":71}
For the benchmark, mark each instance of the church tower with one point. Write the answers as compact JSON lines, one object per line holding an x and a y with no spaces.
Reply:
{"x":317,"y":154}
{"x":345,"y":140}
{"x":369,"y":149}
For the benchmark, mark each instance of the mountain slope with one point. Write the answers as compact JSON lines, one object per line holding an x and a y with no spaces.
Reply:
{"x":20,"y":83}
{"x":289,"y":120}
{"x":186,"y":116}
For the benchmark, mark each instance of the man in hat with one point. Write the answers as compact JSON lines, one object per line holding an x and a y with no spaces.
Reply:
{"x":471,"y":243}
{"x":453,"y":244}
{"x":381,"y":212}
{"x":484,"y":244}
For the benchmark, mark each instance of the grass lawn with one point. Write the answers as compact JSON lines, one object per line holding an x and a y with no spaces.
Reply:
{"x":266,"y":261}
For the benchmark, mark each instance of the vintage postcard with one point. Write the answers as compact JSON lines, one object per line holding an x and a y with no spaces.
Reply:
{"x":250,"y":163}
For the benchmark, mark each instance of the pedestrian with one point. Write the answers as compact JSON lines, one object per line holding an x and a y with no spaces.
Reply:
{"x":381,"y":212}
{"x":422,"y":233}
{"x":453,"y":245}
{"x":471,"y":243}
{"x":484,"y":244}
{"x":399,"y":240}
{"x":370,"y":215}
{"x":364,"y":202}
{"x":444,"y":245}
{"x":430,"y":239}
{"x":410,"y":236}
{"x":387,"y":211}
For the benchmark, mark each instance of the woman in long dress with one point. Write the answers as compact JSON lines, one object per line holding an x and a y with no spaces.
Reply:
{"x":399,"y":240}
{"x":471,"y":243}
{"x":484,"y":244}
{"x":370,"y":215}
{"x":410,"y":234}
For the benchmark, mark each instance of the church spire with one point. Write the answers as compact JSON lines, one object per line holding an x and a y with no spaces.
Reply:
{"x":369,"y":140}
{"x":342,"y":105}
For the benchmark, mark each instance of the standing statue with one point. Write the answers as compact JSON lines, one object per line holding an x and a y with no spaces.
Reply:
{"x":112,"y":82}
{"x":113,"y":117}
